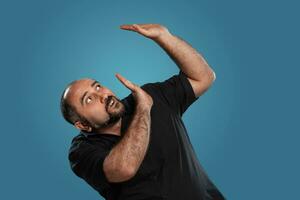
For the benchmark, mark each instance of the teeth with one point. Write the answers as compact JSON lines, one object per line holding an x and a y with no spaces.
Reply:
{"x":111,"y":102}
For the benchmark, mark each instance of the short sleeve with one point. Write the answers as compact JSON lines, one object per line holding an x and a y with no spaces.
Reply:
{"x":86,"y":161}
{"x":177,"y":92}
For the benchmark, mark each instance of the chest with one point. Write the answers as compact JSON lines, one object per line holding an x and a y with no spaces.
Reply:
{"x":165,"y":127}
{"x":167,"y":130}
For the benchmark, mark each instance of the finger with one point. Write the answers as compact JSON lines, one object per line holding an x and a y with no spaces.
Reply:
{"x":128,"y":27}
{"x":126,"y":82}
{"x":141,"y":28}
{"x":145,"y":25}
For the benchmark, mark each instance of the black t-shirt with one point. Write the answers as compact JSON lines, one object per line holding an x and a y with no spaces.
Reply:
{"x":170,"y":169}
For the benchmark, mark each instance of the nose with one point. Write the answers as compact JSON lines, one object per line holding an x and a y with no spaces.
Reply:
{"x":103,"y":98}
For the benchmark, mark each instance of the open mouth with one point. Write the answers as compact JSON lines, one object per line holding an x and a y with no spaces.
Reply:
{"x":111,"y":102}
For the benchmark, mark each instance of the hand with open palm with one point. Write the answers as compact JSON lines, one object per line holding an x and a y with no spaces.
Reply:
{"x":152,"y":31}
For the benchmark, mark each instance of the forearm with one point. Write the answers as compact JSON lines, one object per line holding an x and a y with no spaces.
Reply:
{"x":185,"y":56}
{"x":129,"y":152}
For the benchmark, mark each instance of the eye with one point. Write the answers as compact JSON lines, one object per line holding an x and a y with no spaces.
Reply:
{"x":98,"y":87}
{"x":88,"y":100}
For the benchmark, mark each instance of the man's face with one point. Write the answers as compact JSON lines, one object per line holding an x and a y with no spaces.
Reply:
{"x":93,"y":101}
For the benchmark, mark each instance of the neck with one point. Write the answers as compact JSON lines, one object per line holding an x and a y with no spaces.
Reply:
{"x":114,"y":129}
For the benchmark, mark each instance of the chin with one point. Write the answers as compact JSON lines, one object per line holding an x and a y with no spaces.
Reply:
{"x":118,"y":109}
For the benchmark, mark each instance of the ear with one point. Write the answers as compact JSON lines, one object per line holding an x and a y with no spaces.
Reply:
{"x":82,"y":126}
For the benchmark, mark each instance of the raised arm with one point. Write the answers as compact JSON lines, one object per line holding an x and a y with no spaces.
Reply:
{"x":194,"y":66}
{"x":125,"y":158}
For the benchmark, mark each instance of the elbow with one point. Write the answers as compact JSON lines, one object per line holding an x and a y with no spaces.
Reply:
{"x":204,"y":83}
{"x":128,"y":172}
{"x":211,"y":77}
{"x":208,"y":76}
{"x":119,"y":174}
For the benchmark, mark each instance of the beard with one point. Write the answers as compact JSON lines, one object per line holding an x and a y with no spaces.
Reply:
{"x":115,"y":113}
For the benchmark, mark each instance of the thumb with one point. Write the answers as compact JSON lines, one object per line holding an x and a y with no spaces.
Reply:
{"x":126,"y":82}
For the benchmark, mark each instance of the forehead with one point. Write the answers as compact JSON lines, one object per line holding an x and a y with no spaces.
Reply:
{"x":76,"y":89}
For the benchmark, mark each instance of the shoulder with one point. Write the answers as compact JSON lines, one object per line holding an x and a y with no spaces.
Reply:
{"x":82,"y":143}
{"x":171,"y":81}
{"x":76,"y":142}
{"x":86,"y":157}
{"x":77,"y":146}
{"x":153,"y":90}
{"x":176,"y":91}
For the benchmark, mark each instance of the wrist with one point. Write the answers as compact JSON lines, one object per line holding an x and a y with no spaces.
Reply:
{"x":163,"y":36}
{"x":141,"y":108}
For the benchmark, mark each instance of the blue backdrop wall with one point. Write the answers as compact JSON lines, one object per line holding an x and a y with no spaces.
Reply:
{"x":245,"y":128}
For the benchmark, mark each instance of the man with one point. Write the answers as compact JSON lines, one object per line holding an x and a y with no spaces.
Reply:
{"x":138,"y":147}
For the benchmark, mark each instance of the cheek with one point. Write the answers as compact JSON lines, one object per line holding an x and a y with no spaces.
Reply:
{"x":97,"y":113}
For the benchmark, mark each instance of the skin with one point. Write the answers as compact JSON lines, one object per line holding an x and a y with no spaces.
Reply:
{"x":191,"y":62}
{"x":199,"y":74}
{"x":125,"y":158}
{"x":95,"y":107}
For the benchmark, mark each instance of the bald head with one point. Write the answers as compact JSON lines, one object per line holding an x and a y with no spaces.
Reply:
{"x":68,"y":110}
{"x":87,"y":101}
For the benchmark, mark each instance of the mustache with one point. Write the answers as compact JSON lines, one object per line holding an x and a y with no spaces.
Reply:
{"x":109,"y":98}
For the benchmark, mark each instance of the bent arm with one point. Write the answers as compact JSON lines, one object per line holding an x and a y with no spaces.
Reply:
{"x":125,"y":158}
{"x":198,"y":72}
{"x":191,"y":62}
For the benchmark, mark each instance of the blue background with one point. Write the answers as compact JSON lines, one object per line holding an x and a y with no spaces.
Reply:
{"x":245,"y":128}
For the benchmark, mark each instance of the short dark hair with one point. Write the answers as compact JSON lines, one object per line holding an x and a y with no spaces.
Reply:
{"x":69,"y":111}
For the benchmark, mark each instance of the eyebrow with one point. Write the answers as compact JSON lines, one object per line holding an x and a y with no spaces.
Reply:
{"x":85,"y":93}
